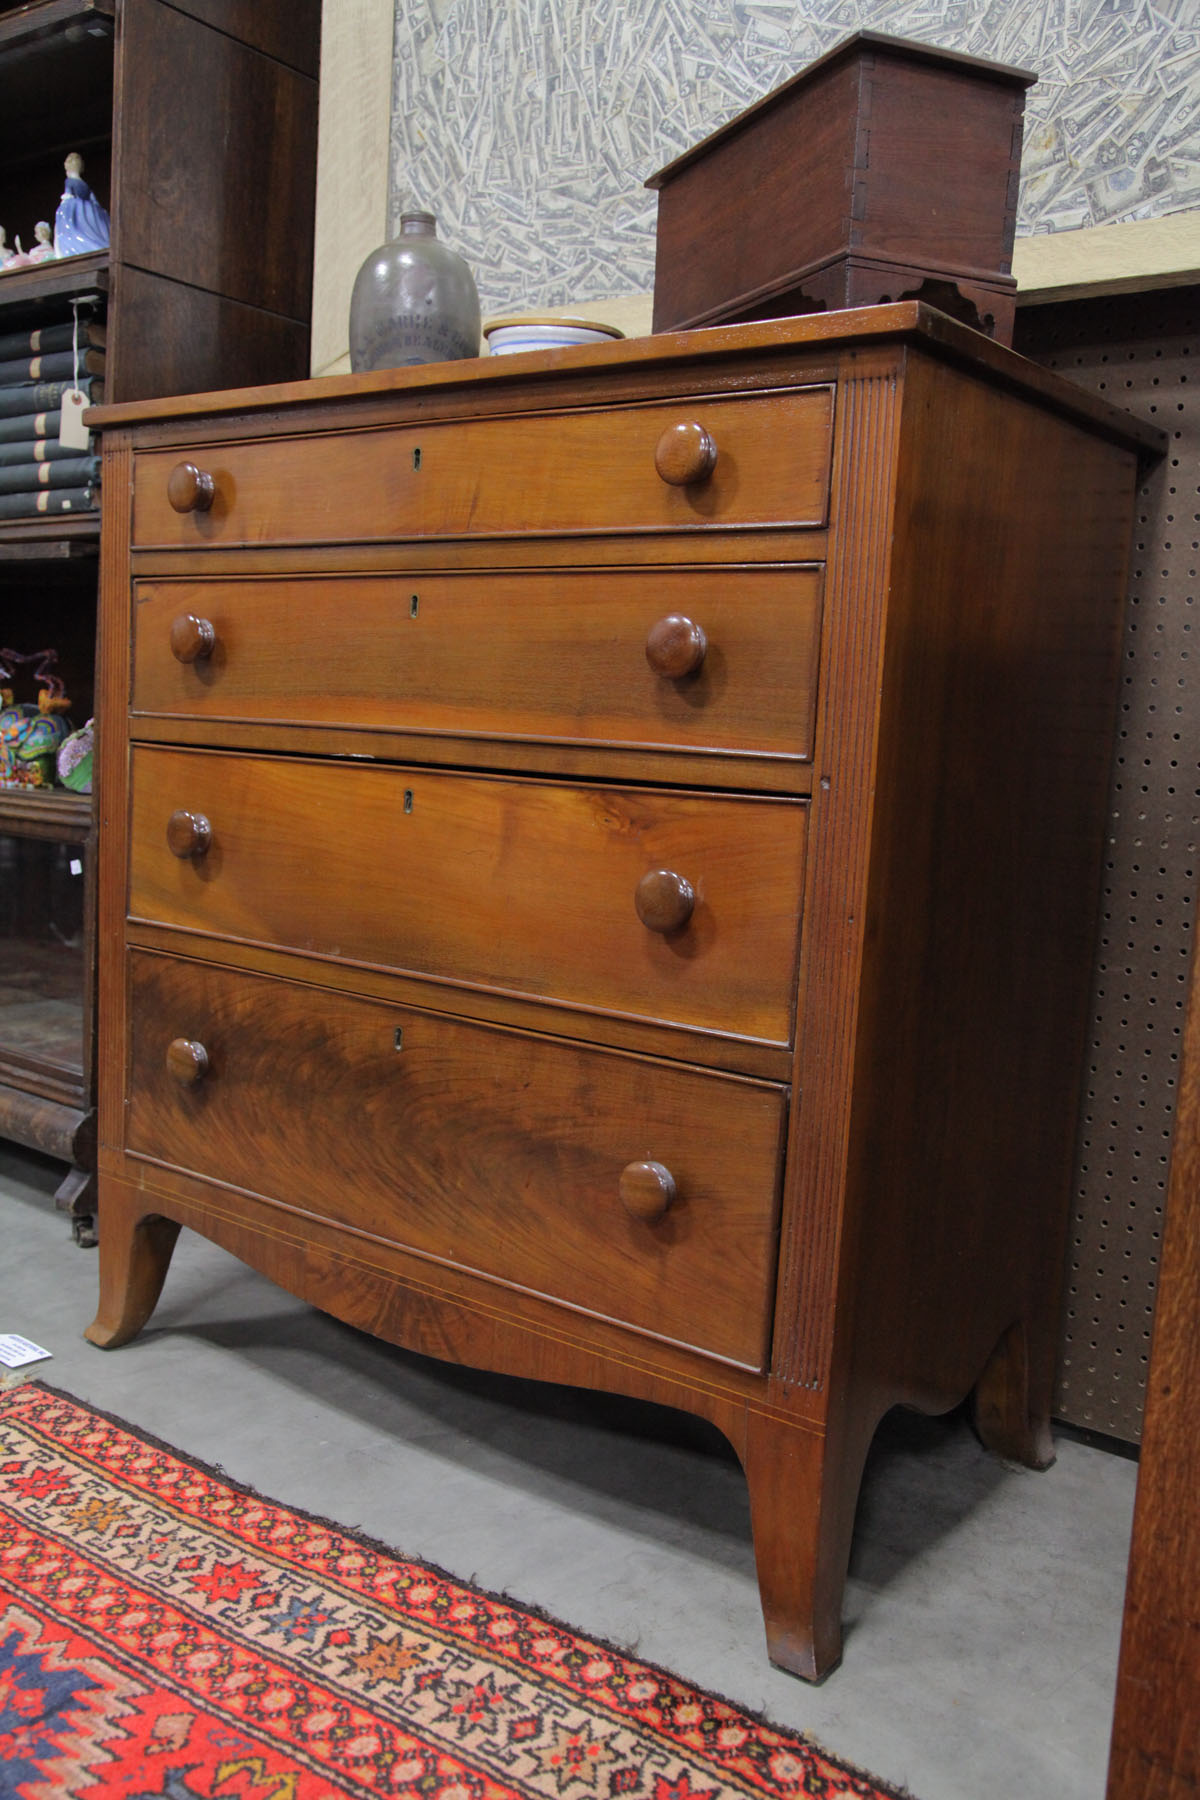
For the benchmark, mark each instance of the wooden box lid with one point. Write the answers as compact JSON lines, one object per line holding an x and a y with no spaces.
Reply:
{"x":884,"y":150}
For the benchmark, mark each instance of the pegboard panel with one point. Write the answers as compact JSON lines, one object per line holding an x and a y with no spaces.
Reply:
{"x":1140,"y":351}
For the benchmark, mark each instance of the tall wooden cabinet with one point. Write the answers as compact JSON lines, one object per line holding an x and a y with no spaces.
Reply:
{"x":197,"y":124}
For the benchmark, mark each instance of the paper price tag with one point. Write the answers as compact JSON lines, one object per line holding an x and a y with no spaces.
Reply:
{"x":72,"y":432}
{"x":16,"y":1351}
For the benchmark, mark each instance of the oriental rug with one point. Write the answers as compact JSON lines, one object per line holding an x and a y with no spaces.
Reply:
{"x":166,"y":1634}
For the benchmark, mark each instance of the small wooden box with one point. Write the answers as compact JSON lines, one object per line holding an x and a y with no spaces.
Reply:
{"x":886,"y":170}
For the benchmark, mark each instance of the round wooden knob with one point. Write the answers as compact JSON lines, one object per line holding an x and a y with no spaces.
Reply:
{"x":192,"y":639}
{"x":647,"y":1189}
{"x":188,"y":834}
{"x":187,"y":1061}
{"x":676,"y":646}
{"x":190,"y":489}
{"x":664,"y":900}
{"x":685,"y":453}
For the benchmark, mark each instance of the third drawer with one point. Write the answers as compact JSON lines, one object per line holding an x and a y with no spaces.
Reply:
{"x":644,"y":902}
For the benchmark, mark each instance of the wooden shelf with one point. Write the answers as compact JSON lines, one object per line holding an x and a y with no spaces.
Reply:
{"x":29,"y":297}
{"x":45,"y":812}
{"x":61,"y":539}
{"x":27,"y":293}
{"x":23,"y":25}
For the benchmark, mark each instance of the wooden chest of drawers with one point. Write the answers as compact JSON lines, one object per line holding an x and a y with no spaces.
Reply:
{"x":599,"y":859}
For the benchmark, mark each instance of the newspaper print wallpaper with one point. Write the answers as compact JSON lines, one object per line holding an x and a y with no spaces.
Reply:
{"x":529,"y":126}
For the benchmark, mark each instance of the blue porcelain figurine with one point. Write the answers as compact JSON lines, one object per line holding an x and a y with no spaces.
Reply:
{"x":80,"y":223}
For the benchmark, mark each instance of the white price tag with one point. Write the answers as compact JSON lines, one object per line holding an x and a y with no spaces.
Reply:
{"x":72,"y":432}
{"x":16,"y":1351}
{"x":76,"y":866}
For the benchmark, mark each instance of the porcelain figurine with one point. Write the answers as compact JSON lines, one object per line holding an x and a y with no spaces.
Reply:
{"x":43,"y":250}
{"x":13,"y":257}
{"x":80,"y":223}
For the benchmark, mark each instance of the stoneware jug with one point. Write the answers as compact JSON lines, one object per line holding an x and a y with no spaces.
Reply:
{"x":414,"y":301}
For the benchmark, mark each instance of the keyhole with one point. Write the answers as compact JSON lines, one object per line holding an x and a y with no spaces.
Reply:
{"x":408,"y":793}
{"x":399,"y":1038}
{"x":413,"y":605}
{"x":417,"y":457}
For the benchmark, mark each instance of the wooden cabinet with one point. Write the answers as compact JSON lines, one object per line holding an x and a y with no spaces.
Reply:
{"x":183,"y":113}
{"x":1154,"y":1753}
{"x":599,"y":859}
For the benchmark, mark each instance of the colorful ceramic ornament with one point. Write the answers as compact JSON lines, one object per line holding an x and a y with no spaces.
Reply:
{"x":75,"y":759}
{"x":30,"y":735}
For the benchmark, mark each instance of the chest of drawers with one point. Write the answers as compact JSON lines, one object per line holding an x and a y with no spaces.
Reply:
{"x":599,"y":859}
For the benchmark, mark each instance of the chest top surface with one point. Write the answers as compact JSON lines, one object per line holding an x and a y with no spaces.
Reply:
{"x":724,"y":358}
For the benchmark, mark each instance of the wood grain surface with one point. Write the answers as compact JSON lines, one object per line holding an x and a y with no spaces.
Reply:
{"x":1156,"y":1727}
{"x":496,"y":1150}
{"x":530,"y":654}
{"x":566,"y":473}
{"x":517,"y":886}
{"x":409,"y":1028}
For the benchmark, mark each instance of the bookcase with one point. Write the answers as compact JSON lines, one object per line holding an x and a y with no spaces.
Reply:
{"x":197,"y":123}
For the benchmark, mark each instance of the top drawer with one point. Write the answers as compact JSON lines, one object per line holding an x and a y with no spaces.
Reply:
{"x":759,"y":460}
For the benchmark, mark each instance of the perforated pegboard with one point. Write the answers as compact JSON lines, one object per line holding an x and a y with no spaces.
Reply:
{"x":1140,"y":351}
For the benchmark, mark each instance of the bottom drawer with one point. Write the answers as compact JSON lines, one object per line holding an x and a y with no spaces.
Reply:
{"x":511,"y":1155}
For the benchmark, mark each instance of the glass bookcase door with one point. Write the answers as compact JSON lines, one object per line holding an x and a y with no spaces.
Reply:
{"x":43,"y":958}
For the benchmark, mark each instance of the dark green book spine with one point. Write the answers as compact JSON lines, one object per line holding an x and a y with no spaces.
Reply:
{"x":76,"y":471}
{"x":22,"y":426}
{"x":50,"y":502}
{"x":59,"y":365}
{"x":44,"y":396}
{"x":40,"y":450}
{"x":50,"y":337}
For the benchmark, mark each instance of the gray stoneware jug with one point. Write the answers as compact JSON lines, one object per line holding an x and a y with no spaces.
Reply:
{"x":414,"y":301}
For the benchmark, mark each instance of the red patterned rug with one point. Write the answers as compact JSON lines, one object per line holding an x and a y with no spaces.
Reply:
{"x":165,"y":1634}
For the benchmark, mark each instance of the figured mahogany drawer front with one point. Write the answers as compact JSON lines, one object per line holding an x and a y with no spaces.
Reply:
{"x":498,"y":1151}
{"x":698,"y":659}
{"x":510,"y":885}
{"x":597,"y":469}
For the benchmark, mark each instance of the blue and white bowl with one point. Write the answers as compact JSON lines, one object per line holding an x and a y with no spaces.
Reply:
{"x":533,"y":332}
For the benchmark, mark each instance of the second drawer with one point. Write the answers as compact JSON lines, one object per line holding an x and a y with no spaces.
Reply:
{"x":558,"y":655}
{"x":649,"y":903}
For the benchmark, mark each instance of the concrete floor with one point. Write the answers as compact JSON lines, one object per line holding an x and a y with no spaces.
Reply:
{"x":984,"y":1604}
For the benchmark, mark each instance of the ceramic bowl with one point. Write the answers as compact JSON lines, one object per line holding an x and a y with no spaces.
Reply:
{"x":532,"y":332}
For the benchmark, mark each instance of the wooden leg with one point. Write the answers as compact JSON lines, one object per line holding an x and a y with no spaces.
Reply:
{"x":802,"y":1513}
{"x":135,"y":1253}
{"x":76,"y":1194}
{"x":1011,"y":1418}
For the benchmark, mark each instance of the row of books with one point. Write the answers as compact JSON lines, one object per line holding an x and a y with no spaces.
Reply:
{"x":39,"y":475}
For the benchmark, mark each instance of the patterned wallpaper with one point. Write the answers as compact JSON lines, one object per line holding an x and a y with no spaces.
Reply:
{"x":529,"y":126}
